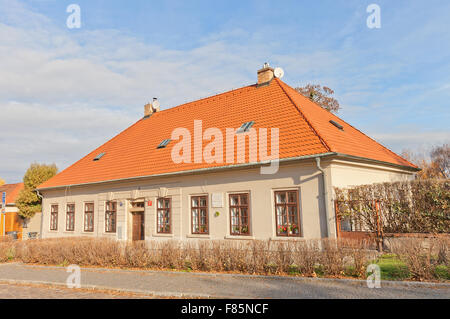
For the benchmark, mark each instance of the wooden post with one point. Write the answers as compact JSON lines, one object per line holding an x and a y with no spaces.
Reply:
{"x":336,"y":214}
{"x":379,"y":231}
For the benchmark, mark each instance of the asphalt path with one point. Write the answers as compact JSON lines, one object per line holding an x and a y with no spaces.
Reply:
{"x":206,"y":285}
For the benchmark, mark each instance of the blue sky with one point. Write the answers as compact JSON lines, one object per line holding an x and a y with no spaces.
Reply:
{"x":65,"y":91}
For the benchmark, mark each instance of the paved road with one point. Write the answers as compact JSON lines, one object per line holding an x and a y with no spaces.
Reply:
{"x":27,"y":291}
{"x":179,"y":284}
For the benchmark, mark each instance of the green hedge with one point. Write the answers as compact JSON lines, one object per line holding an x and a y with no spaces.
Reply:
{"x":420,"y":206}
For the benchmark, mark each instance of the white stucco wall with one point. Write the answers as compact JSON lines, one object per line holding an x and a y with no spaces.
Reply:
{"x":302,"y":176}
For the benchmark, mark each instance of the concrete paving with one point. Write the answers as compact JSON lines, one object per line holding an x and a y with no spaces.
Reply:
{"x":201,"y":285}
{"x":27,"y":291}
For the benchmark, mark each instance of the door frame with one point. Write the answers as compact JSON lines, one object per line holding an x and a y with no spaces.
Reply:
{"x":142,"y":214}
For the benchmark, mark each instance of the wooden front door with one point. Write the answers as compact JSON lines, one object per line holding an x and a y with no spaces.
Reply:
{"x":138,"y":226}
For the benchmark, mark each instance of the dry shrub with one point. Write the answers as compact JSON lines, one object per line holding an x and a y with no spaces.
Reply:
{"x":332,"y":258}
{"x":359,"y":253}
{"x":326,"y":257}
{"x":7,"y":249}
{"x":306,"y":256}
{"x":443,"y":245}
{"x":420,"y":257}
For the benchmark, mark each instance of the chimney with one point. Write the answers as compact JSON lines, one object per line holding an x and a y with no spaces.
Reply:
{"x":265,"y":75}
{"x":151,"y":108}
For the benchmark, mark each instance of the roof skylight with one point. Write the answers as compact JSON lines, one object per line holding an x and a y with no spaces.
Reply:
{"x":339,"y":126}
{"x":245,"y":127}
{"x":99,"y":156}
{"x":164,"y":143}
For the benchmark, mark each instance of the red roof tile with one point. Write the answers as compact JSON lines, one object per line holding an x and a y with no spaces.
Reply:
{"x":12,"y":191}
{"x":304,"y":130}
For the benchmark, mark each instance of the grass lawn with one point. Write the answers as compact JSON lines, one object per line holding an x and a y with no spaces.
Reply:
{"x":392,"y":268}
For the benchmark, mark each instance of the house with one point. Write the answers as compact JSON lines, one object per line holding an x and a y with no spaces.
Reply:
{"x":258,"y":162}
{"x":12,"y":222}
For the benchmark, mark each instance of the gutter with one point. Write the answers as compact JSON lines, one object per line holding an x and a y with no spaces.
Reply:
{"x":195,"y":171}
{"x":42,"y":213}
{"x":325,"y":195}
{"x":353,"y":157}
{"x":237,"y":166}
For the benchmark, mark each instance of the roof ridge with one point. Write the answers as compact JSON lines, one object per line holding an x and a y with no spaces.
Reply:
{"x":203,"y":99}
{"x":337,"y":117}
{"x":315,"y":131}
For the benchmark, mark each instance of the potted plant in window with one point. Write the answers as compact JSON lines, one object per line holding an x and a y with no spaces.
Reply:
{"x":282,"y":229}
{"x":294,"y":229}
{"x":244,"y":229}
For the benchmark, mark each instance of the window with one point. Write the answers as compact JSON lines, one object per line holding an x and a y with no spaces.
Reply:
{"x":110,"y":217}
{"x":164,"y":143}
{"x":89,"y":217}
{"x":70,"y":217}
{"x":245,"y":127}
{"x":239,"y":214}
{"x":339,"y":126}
{"x":163,"y":215}
{"x":54,"y":217}
{"x":99,"y":156}
{"x":286,"y":210}
{"x":199,"y":214}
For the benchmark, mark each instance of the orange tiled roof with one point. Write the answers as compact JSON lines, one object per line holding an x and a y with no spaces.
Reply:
{"x":304,"y":129}
{"x":12,"y":191}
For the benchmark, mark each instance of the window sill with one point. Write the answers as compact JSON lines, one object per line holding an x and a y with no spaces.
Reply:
{"x":249,"y":237}
{"x":207,"y":236}
{"x":162,"y":235}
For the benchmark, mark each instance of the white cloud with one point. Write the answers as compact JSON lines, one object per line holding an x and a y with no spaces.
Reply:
{"x":63,"y":93}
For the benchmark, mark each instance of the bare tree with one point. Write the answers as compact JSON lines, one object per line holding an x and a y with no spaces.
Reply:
{"x":321,"y":95}
{"x":440,"y":155}
{"x":436,"y":165}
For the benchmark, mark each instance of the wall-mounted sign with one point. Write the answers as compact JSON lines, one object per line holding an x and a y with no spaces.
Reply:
{"x":149,"y":203}
{"x":217,"y":200}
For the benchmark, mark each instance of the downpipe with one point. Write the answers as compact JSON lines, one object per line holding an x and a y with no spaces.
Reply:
{"x":325,"y":195}
{"x":42,"y":212}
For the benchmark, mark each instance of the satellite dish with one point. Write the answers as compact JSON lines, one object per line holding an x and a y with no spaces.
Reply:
{"x":156,"y":104}
{"x":278,"y":72}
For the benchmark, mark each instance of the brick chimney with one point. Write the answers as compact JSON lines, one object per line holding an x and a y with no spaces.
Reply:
{"x":265,"y":75}
{"x":151,"y":108}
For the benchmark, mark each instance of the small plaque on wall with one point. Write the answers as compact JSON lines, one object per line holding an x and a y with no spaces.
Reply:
{"x":217,"y":200}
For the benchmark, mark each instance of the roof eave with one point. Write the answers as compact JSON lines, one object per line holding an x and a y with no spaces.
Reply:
{"x":359,"y":158}
{"x":200,"y":170}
